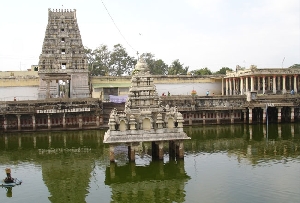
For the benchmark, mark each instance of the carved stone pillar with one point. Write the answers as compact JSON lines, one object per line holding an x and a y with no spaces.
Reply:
{"x":274,"y":84}
{"x":245,"y":116}
{"x":80,"y":121}
{"x":97,"y":121}
{"x":232,"y":117}
{"x":278,"y":83}
{"x":252,"y":83}
{"x":131,"y":153}
{"x":203,"y":117}
{"x":247,"y":85}
{"x":180,"y":149}
{"x":49,"y":121}
{"x":160,"y":150}
{"x":230,"y":86}
{"x":242,"y":86}
{"x":64,"y":120}
{"x":279,"y":114}
{"x":226,"y":86}
{"x":264,"y":84}
{"x":19,"y":122}
{"x":295,"y":84}
{"x":111,"y":153}
{"x":222,"y":86}
{"x":283,"y":84}
{"x":258,"y":83}
{"x":218,"y":117}
{"x":264,"y":115}
{"x":33,"y":122}
{"x":190,"y":119}
{"x":234,"y":86}
{"x":250,"y":115}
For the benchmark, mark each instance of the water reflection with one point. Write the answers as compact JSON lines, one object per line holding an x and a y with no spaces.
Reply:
{"x":248,"y":142}
{"x":68,"y":160}
{"x":156,"y":182}
{"x":8,"y":191}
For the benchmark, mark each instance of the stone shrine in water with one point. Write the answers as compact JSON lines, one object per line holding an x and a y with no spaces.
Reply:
{"x":145,"y":119}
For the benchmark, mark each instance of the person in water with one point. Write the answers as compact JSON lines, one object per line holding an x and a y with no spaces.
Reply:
{"x":8,"y":178}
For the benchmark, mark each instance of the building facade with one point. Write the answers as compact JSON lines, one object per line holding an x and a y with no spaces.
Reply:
{"x":262,"y":81}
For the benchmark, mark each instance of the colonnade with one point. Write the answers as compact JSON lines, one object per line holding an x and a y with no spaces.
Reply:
{"x":249,"y":115}
{"x":261,"y":83}
{"x":49,"y":121}
{"x":216,"y":116}
{"x":176,"y":149}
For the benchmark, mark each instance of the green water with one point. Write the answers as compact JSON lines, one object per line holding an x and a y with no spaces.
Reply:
{"x":228,"y":163}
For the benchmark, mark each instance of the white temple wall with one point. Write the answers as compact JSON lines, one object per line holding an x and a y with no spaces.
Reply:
{"x":186,"y":88}
{"x":20,"y":93}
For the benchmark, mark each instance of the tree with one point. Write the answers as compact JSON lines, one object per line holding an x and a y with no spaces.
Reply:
{"x":90,"y":57}
{"x":120,"y":62}
{"x":202,"y":71}
{"x":102,"y":61}
{"x":295,"y":66}
{"x":176,"y":68}
{"x":223,"y":70}
{"x":156,"y":67}
{"x":98,"y":60}
{"x":160,"y":68}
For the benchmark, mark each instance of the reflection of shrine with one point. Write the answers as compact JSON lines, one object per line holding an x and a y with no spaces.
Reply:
{"x":67,"y":179}
{"x":156,"y":182}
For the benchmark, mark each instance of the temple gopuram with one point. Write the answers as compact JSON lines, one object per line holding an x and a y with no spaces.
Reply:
{"x":63,"y":69}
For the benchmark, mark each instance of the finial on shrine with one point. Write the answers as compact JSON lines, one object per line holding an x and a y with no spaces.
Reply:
{"x":137,"y":53}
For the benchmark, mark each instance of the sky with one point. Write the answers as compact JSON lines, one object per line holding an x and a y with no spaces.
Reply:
{"x":199,"y":33}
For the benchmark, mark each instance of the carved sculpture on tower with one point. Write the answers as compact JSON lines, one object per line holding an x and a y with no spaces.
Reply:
{"x":63,"y":69}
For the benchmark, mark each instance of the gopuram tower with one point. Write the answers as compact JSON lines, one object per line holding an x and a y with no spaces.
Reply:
{"x":63,"y":69}
{"x":145,"y":120}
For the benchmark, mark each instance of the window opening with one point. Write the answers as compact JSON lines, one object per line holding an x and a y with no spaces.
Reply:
{"x":63,"y":66}
{"x":63,"y":51}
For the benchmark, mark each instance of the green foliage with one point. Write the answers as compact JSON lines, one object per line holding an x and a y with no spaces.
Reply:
{"x":156,"y":67}
{"x":160,"y":68}
{"x":120,"y":62}
{"x":223,"y":70}
{"x":117,"y":62}
{"x":176,"y":68}
{"x":202,"y":71}
{"x":101,"y":61}
{"x":295,"y":66}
